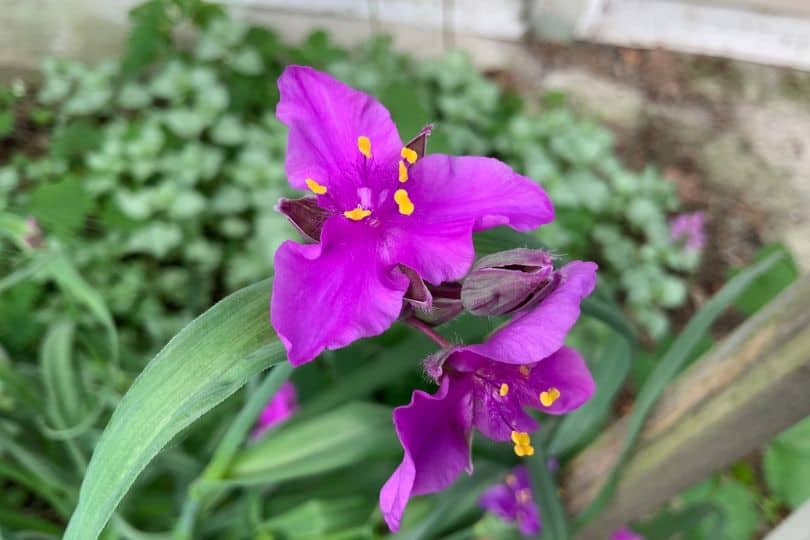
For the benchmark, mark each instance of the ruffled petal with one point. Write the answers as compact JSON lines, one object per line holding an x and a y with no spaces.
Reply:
{"x":567,"y":372}
{"x":452,"y":198}
{"x":330,"y":294}
{"x":326,"y":117}
{"x":538,"y":332}
{"x":435,"y":433}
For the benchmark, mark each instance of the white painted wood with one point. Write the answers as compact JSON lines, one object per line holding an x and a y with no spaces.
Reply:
{"x":703,"y":29}
{"x":795,"y":527}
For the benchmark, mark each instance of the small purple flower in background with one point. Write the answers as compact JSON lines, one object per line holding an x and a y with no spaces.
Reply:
{"x":513,"y":501}
{"x":487,"y":386}
{"x":283,"y":405}
{"x":625,"y":534}
{"x":377,"y":206}
{"x":33,"y":235}
{"x":690,"y":229}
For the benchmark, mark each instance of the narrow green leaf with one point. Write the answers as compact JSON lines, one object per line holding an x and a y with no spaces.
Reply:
{"x":675,"y":523}
{"x":201,"y":366}
{"x":61,"y":384}
{"x":349,"y":434}
{"x":612,"y":315}
{"x":669,"y":366}
{"x":502,"y":238}
{"x":609,"y":373}
{"x":555,"y":523}
{"x":72,"y":284}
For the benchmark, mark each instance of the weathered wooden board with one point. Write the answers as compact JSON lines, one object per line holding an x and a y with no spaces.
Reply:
{"x":748,"y":389}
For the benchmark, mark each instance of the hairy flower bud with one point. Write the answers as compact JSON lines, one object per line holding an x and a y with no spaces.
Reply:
{"x":504,"y":282}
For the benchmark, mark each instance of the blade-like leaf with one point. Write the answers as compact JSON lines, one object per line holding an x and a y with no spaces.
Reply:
{"x":201,"y":366}
{"x":349,"y":434}
{"x":555,"y":524}
{"x":669,"y":366}
{"x":61,"y":383}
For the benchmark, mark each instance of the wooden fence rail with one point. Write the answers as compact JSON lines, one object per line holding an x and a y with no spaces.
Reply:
{"x":734,"y":399}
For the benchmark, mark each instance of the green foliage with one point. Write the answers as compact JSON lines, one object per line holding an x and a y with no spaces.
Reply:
{"x":787,"y":465}
{"x":737,"y":504}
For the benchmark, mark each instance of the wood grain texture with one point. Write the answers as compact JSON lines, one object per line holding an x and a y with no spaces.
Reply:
{"x":738,"y":396}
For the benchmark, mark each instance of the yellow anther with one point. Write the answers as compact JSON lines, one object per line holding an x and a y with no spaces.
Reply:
{"x":404,"y":202}
{"x":357,"y":214}
{"x":548,"y":397}
{"x":503,"y":390}
{"x":364,"y":145}
{"x":315,"y":187}
{"x":511,"y":480}
{"x":524,"y":450}
{"x":521,"y":438}
{"x":409,"y":154}
{"x":525,"y":370}
{"x":523,"y":495}
{"x":403,"y":172}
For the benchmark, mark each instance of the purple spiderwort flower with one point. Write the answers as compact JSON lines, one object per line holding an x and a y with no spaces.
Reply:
{"x":487,"y":386}
{"x":514,"y":501}
{"x":690,"y":229}
{"x":33,"y":233}
{"x":378,"y":205}
{"x":625,"y":534}
{"x":283,"y":405}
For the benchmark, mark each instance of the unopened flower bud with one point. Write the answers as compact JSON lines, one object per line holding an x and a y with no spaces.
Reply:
{"x":33,"y":233}
{"x":504,"y":282}
{"x":432,"y":304}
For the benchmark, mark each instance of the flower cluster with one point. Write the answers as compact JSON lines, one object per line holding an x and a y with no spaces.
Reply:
{"x":390,"y":236}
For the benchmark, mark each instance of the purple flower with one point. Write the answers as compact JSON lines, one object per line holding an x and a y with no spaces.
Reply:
{"x":487,"y":386}
{"x":379,"y":205}
{"x":282,"y":406}
{"x":690,"y":229}
{"x":513,"y":501}
{"x":625,"y":534}
{"x":33,"y":233}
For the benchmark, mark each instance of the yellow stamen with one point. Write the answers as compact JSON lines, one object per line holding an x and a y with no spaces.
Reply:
{"x":409,"y":154}
{"x":503,"y":390}
{"x":511,"y":480}
{"x":523,"y":450}
{"x":521,"y":438}
{"x":548,"y":397}
{"x":404,"y":202}
{"x":315,"y":187}
{"x":357,"y":214}
{"x":523,"y":495}
{"x":525,"y":370}
{"x":403,"y":172}
{"x":364,"y":145}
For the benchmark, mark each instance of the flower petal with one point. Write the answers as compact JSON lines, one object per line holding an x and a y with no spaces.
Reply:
{"x":330,"y":294}
{"x":454,"y":197}
{"x":435,"y":433}
{"x":500,"y":500}
{"x":326,"y":117}
{"x":538,"y":332}
{"x":566,"y":371}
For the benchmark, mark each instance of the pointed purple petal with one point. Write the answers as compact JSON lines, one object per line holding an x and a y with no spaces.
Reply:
{"x":283,"y":405}
{"x":454,"y":197}
{"x":538,"y":332}
{"x":566,"y":371}
{"x":325,"y":117}
{"x":435,"y":433}
{"x":330,"y":294}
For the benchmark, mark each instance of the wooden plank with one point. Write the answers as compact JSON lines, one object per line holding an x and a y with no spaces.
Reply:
{"x":747,"y":390}
{"x":774,"y":7}
{"x":701,"y":29}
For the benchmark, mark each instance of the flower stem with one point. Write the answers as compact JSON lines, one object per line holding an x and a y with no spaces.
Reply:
{"x":434,"y":336}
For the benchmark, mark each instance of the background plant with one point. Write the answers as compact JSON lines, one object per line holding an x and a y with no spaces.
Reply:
{"x":153,"y":178}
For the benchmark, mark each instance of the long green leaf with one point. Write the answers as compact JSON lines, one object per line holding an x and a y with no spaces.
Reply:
{"x":669,"y":366}
{"x":349,"y":434}
{"x":201,"y":366}
{"x":555,"y":523}
{"x":61,"y":384}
